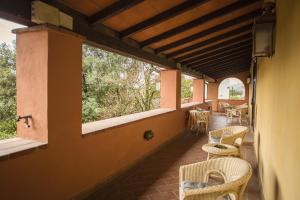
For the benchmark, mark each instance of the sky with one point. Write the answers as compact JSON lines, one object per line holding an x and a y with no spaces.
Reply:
{"x":5,"y":31}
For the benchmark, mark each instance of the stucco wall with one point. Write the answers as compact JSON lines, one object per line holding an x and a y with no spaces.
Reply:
{"x":71,"y":163}
{"x":278,"y":106}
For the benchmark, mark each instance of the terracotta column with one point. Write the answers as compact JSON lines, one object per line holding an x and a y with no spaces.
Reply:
{"x":198,"y":90}
{"x":213,"y":95}
{"x":49,"y":65}
{"x":170,"y":89}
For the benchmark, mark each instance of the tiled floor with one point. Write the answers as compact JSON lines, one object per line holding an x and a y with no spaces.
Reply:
{"x":156,"y":177}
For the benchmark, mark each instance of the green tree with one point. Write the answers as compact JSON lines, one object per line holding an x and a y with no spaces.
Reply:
{"x":186,"y":84}
{"x":114,"y":85}
{"x":7,"y":91}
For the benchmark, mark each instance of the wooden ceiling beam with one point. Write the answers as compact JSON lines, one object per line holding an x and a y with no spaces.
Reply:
{"x":161,"y":17}
{"x":112,"y":10}
{"x":228,"y":34}
{"x":219,"y":52}
{"x":213,"y":48}
{"x":221,"y":71}
{"x":222,"y":56}
{"x":242,"y":56}
{"x":201,"y":20}
{"x":229,"y":65}
{"x":206,"y":32}
{"x":230,"y":72}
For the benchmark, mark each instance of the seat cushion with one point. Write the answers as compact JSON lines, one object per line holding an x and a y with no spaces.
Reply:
{"x":215,"y":140}
{"x":189,"y":185}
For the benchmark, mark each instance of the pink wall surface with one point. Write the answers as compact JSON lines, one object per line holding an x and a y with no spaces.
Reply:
{"x":72,"y":163}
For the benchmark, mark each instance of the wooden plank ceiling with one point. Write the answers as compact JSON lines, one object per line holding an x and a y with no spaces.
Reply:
{"x":212,"y":37}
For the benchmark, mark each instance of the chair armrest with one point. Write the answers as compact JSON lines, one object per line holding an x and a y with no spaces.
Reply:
{"x":216,"y":133}
{"x":187,"y":172}
{"x":214,"y":171}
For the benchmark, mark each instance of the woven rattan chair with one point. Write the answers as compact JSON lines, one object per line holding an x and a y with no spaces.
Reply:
{"x":196,"y":117}
{"x":235,"y":172}
{"x":232,"y":135}
{"x":239,"y":111}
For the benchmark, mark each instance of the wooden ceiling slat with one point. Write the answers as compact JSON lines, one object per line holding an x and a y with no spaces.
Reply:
{"x":229,"y":67}
{"x":211,"y":40}
{"x":198,"y":21}
{"x":206,"y":32}
{"x":224,"y":56}
{"x":161,"y":17}
{"x":246,"y":55}
{"x":112,"y":10}
{"x":229,"y":72}
{"x":227,"y":43}
{"x":220,"y":52}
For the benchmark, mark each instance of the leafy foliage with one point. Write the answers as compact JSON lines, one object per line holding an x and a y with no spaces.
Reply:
{"x":114,"y":85}
{"x":186,"y":92}
{"x":7,"y":91}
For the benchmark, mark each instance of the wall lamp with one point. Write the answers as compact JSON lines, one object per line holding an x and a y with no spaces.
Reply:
{"x":263,"y":31}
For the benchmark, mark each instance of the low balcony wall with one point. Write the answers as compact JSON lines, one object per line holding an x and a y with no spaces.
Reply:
{"x":74,"y":166}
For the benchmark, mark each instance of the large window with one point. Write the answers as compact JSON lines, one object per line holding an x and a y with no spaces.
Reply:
{"x":7,"y":79}
{"x":115,"y":85}
{"x":231,"y":88}
{"x":186,"y":88}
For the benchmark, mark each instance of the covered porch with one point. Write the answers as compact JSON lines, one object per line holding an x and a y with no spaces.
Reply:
{"x":156,"y":176}
{"x":138,"y":156}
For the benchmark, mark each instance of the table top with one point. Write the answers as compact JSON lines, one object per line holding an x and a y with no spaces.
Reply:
{"x":217,"y":150}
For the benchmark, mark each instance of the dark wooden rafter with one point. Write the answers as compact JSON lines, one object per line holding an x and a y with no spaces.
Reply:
{"x":245,"y":55}
{"x":222,"y":56}
{"x":161,"y":17}
{"x":227,"y":65}
{"x":227,"y":43}
{"x":225,"y":69}
{"x":112,"y":10}
{"x":229,"y":72}
{"x":211,"y":40}
{"x":214,"y":29}
{"x":201,"y":20}
{"x":107,"y":39}
{"x":109,"y":42}
{"x":16,"y":11}
{"x":219,"y":52}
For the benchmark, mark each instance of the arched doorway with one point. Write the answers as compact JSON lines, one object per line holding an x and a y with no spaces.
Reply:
{"x":231,"y":89}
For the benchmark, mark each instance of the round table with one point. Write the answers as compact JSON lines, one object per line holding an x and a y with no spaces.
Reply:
{"x":219,"y":150}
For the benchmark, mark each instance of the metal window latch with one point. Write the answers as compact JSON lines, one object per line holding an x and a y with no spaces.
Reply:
{"x":26,"y":120}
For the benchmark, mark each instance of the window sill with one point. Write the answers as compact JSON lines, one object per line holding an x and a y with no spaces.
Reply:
{"x":92,"y":127}
{"x":187,"y":105}
{"x":12,"y":146}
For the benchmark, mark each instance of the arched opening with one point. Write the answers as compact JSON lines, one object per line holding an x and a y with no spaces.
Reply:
{"x":231,"y":89}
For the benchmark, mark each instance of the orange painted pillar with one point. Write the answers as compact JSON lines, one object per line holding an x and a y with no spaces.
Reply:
{"x":170,"y":89}
{"x":213,"y":95}
{"x":198,"y":90}
{"x":49,"y":65}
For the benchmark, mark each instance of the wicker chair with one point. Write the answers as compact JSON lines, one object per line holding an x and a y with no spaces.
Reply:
{"x":232,"y":135}
{"x":239,"y":111}
{"x":224,"y":106}
{"x":235,"y":172}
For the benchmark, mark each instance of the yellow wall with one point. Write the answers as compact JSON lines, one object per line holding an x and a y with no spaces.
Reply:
{"x":278,"y":108}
